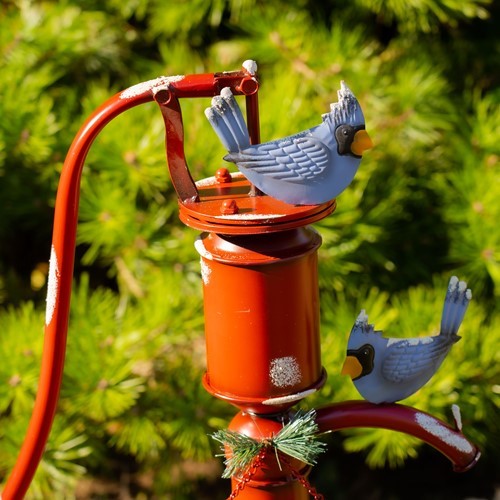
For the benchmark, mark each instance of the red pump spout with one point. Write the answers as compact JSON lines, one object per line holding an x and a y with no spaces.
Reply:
{"x":449,"y":441}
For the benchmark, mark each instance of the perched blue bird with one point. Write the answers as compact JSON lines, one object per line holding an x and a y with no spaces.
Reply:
{"x":385,"y":370}
{"x":307,"y":168}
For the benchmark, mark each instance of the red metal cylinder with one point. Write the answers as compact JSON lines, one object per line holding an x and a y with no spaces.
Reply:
{"x":262,"y":318}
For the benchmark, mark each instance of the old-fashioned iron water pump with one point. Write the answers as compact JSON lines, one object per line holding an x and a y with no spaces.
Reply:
{"x":261,"y":298}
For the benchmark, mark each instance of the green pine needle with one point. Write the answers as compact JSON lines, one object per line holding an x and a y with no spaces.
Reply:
{"x":296,"y":439}
{"x":244,"y":449}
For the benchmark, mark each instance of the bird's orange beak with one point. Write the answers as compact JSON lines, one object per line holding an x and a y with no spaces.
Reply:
{"x":361,"y":142}
{"x":352,"y":367}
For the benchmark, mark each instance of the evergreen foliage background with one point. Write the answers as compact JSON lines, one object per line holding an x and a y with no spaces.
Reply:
{"x":133,"y":418}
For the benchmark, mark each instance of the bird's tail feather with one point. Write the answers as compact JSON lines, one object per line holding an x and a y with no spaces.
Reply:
{"x":456,"y":302}
{"x":227,"y":121}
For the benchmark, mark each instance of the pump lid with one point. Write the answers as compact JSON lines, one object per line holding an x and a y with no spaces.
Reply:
{"x":227,"y":205}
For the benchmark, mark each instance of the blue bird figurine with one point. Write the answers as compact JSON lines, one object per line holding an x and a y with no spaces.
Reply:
{"x":308,"y":168}
{"x":385,"y":370}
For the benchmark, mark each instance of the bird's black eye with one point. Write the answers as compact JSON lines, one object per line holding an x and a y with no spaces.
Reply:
{"x":344,"y":135}
{"x":366,"y":357}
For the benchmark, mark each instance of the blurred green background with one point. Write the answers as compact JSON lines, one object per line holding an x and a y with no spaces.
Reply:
{"x":133,"y":420}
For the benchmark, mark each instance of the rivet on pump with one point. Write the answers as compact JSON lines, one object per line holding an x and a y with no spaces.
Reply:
{"x":229,"y":207}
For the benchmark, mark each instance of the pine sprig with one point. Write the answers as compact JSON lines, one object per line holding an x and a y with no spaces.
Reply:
{"x":296,"y":439}
{"x":244,"y":450}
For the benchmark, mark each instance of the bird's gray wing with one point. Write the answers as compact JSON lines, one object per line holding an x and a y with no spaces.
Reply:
{"x":407,"y":359}
{"x":294,"y":160}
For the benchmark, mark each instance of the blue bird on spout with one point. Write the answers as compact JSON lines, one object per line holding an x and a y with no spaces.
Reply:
{"x":385,"y":370}
{"x":308,"y":168}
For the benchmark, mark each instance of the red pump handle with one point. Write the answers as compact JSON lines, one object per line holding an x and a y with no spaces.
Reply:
{"x":64,"y":238}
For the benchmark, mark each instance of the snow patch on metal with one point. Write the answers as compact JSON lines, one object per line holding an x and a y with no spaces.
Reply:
{"x":206,"y":271}
{"x":250,"y":66}
{"x":52,"y":287}
{"x":200,"y":248}
{"x":143,"y":87}
{"x":249,"y":216}
{"x":436,"y":428}
{"x":211,"y":181}
{"x":414,"y":341}
{"x":362,"y":317}
{"x":285,"y":372}
{"x":457,"y":416}
{"x":288,"y":399}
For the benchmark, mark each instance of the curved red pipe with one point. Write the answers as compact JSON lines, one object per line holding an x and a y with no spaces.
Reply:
{"x":450,"y":442}
{"x":62,"y":261}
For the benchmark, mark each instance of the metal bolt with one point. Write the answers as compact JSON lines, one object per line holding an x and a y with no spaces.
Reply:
{"x":222,"y":176}
{"x":229,"y":207}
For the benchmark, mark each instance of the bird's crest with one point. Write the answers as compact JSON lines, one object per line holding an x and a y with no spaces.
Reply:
{"x":362,"y":323}
{"x":346,"y":111}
